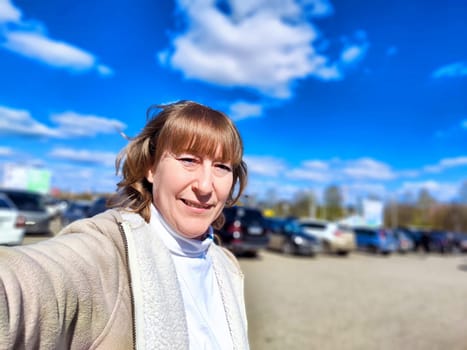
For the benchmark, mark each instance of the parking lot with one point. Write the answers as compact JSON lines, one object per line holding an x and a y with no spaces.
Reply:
{"x":363,"y":301}
{"x":412,"y":301}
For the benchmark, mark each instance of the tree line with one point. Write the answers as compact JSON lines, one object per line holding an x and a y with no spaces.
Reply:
{"x":420,"y":210}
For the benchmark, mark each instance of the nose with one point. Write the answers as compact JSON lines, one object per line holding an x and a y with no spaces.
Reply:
{"x":203,"y":183}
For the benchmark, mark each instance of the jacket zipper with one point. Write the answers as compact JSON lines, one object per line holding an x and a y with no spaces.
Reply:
{"x":227,"y":314}
{"x":125,"y":244}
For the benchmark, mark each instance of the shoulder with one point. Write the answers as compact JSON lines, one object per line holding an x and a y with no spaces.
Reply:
{"x":227,"y":259}
{"x":105,"y":223}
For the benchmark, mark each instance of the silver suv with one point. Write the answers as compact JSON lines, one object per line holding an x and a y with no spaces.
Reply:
{"x":31,"y":205}
{"x":335,"y":238}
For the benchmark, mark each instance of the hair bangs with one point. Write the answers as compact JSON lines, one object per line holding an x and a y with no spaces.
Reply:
{"x":205,"y":136}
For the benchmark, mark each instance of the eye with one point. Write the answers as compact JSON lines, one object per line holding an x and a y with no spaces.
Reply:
{"x":223,"y":168}
{"x":188,"y":160}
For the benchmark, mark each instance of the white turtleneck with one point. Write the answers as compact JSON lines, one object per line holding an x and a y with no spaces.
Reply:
{"x":206,"y":319}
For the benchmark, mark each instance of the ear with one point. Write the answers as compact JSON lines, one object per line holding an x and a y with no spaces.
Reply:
{"x":150,"y":176}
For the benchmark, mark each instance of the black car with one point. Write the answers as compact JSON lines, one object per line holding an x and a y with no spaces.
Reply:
{"x":436,"y":241}
{"x":244,"y":230}
{"x":288,"y":237}
{"x":419,"y":237}
{"x":98,"y":206}
{"x":76,"y":210}
{"x":441,"y":241}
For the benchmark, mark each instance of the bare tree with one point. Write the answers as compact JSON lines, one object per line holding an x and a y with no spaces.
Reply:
{"x":425,"y":202}
{"x":333,"y":200}
{"x":463,"y":193}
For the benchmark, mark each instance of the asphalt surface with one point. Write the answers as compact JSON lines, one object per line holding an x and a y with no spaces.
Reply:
{"x":413,"y":301}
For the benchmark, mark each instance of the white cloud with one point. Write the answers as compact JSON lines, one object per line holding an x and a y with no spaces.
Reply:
{"x":453,"y":162}
{"x":85,"y":156}
{"x":54,"y":53}
{"x":243,"y":110}
{"x":457,"y":69}
{"x":441,"y":191}
{"x":268,"y":166}
{"x":367,"y":188}
{"x":308,"y":174}
{"x":366,"y":168}
{"x":6,"y":151}
{"x":408,"y":173}
{"x":355,"y":49}
{"x":315,"y":8}
{"x":73,"y":177}
{"x":334,"y":170}
{"x":32,"y":42}
{"x":312,"y":170}
{"x":353,"y":53}
{"x":18,"y":121}
{"x":74,"y":124}
{"x":446,"y":163}
{"x":8,"y":12}
{"x":354,"y":192}
{"x":263,"y":45}
{"x":277,"y":188}
{"x":358,"y":178}
{"x":69,"y":124}
{"x":316,"y":164}
{"x":104,"y":70}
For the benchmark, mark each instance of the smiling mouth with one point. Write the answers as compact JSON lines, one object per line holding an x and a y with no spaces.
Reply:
{"x":197,"y":205}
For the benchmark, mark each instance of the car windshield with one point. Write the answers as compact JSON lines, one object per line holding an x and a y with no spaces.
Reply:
{"x":293,"y":226}
{"x":78,"y":207}
{"x":244,"y":214}
{"x":4,"y":204}
{"x":314,"y":225}
{"x":366,"y":232}
{"x":27,"y":201}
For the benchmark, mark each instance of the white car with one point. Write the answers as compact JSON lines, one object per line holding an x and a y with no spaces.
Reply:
{"x":12,"y":224}
{"x":335,"y":238}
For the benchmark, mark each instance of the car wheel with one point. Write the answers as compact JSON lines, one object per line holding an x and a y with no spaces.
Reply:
{"x":287,"y":248}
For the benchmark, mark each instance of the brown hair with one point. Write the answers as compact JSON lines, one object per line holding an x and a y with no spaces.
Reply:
{"x":183,"y":126}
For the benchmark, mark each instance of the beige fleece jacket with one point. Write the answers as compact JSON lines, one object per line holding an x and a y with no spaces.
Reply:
{"x":74,"y":291}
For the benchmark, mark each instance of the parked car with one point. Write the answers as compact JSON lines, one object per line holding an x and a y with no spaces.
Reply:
{"x":75,"y":210}
{"x":419,"y":236}
{"x":405,"y":243}
{"x":244,"y":230}
{"x":334,"y":237}
{"x":55,"y":206}
{"x":441,"y":241}
{"x":31,"y":205}
{"x":99,"y":205}
{"x":288,"y":237}
{"x":12,"y":224}
{"x":375,"y":240}
{"x":460,"y":242}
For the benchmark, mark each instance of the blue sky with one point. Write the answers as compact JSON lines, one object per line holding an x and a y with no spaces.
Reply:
{"x":367,"y":95}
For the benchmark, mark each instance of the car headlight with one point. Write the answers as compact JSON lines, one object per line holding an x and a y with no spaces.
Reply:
{"x":298,"y":240}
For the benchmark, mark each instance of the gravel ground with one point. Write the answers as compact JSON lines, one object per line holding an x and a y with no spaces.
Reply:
{"x":362,"y":302}
{"x":413,"y":301}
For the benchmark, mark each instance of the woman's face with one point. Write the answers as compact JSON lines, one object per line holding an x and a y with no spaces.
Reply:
{"x":190,"y":192}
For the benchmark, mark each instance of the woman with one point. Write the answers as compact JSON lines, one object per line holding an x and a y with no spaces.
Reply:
{"x":145,"y":274}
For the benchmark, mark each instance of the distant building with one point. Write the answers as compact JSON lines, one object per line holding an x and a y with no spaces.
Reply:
{"x":372,"y":215}
{"x":25,"y":177}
